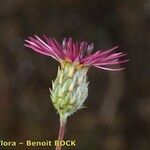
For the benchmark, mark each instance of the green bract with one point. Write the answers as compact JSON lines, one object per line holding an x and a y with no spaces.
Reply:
{"x":70,"y":89}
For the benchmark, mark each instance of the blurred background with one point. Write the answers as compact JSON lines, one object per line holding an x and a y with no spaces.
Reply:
{"x":117,"y":116}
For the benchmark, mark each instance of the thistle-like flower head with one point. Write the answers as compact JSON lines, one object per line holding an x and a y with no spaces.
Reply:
{"x":75,"y":52}
{"x":70,"y":88}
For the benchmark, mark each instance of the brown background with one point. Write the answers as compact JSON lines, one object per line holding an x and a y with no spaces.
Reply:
{"x":117,"y":116}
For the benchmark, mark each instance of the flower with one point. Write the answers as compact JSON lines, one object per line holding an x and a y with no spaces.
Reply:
{"x":70,"y":88}
{"x":80,"y":53}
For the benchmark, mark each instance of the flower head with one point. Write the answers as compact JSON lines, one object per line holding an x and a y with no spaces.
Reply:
{"x":75,"y":52}
{"x":70,"y":88}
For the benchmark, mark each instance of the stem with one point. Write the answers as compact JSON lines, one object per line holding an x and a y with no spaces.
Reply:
{"x":61,"y":132}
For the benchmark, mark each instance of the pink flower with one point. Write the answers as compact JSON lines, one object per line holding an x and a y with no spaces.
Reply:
{"x":76,"y":52}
